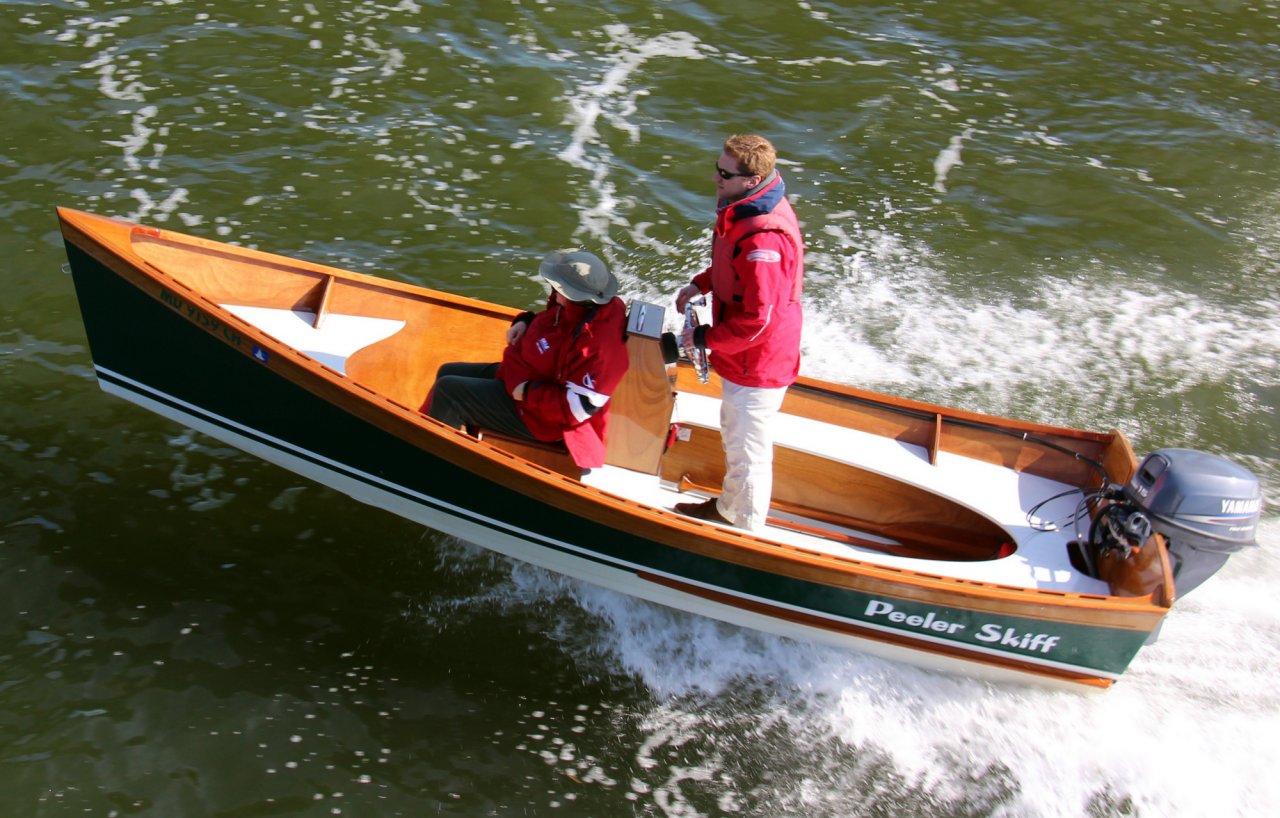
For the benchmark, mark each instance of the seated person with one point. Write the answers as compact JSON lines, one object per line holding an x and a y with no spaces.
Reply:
{"x":559,"y":368}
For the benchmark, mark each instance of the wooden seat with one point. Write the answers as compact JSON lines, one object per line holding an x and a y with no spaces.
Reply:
{"x":552,"y":456}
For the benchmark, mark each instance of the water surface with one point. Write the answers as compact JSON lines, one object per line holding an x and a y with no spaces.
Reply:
{"x":1061,"y":212}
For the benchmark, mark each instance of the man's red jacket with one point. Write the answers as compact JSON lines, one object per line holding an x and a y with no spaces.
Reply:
{"x":571,"y":358}
{"x":755,"y":278}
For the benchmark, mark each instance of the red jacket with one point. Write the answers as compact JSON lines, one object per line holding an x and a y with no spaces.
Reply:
{"x":756,"y":277}
{"x":571,"y":359}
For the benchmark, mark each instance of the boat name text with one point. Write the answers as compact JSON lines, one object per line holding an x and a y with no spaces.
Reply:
{"x":990,"y":632}
{"x":928,"y":622}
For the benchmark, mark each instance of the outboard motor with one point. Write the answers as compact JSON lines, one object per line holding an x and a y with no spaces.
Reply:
{"x":1205,"y":506}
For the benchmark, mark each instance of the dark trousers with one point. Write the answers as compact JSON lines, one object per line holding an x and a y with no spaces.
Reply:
{"x":468,"y":394}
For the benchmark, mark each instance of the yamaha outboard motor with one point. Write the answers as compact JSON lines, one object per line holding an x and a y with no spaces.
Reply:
{"x":1205,"y":506}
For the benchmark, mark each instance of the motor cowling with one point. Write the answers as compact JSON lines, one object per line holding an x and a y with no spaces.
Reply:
{"x":1206,"y":507}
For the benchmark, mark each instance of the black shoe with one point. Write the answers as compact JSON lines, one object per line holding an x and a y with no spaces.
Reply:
{"x":706,"y":510}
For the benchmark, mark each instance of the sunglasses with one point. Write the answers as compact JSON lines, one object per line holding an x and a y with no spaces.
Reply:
{"x":724,"y":174}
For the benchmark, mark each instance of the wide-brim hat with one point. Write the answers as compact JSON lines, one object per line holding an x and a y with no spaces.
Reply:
{"x":579,"y":276}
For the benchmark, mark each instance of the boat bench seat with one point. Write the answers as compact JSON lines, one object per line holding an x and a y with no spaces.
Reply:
{"x":552,"y":456}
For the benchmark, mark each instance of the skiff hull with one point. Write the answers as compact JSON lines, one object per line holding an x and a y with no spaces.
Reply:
{"x":172,"y":324}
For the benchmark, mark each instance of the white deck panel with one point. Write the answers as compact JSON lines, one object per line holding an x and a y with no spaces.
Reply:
{"x":339,"y":337}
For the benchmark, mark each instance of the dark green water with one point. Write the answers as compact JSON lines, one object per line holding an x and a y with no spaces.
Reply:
{"x":1065,"y":212}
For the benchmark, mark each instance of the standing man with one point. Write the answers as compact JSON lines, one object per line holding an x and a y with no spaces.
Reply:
{"x":755,"y":279}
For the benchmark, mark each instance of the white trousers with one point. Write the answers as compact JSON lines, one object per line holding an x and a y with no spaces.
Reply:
{"x":746,"y":415}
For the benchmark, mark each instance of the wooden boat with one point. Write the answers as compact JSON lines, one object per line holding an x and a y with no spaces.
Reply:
{"x":901,"y":528}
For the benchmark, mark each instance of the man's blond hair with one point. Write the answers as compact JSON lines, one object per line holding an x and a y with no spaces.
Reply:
{"x":754,"y":153}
